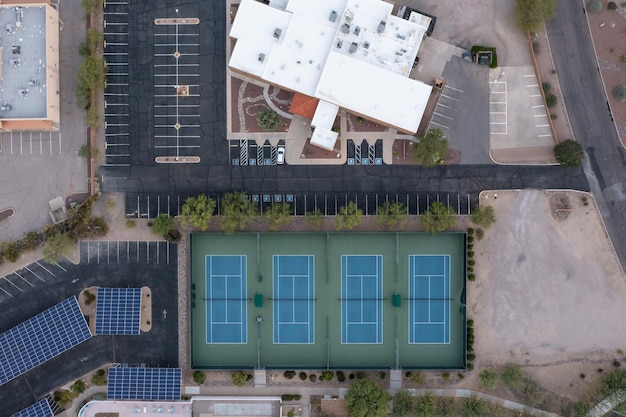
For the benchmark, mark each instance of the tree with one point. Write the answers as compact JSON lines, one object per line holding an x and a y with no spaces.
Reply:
{"x":431,"y":148}
{"x":57,"y":247}
{"x":425,"y":405}
{"x":239,"y":378}
{"x":348,"y":217}
{"x":531,"y":14}
{"x":87,"y":152}
{"x":367,"y":399}
{"x":199,"y":377}
{"x":569,"y":153}
{"x":92,"y":6}
{"x":391,"y":214}
{"x":162,"y":225}
{"x":619,"y":92}
{"x":489,"y":378}
{"x":512,"y":374}
{"x":238,"y":211}
{"x":268,"y":120}
{"x":437,"y":218}
{"x":197,"y":212}
{"x":315,"y":219}
{"x":484,"y":216}
{"x":99,"y":378}
{"x":402,"y":403}
{"x":277,"y":214}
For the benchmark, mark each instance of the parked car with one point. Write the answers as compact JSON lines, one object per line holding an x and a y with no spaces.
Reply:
{"x":280,"y":158}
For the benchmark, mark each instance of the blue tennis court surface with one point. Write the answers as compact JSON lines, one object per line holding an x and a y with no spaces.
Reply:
{"x":429,"y":299}
{"x":361,"y":299}
{"x":226,"y":300}
{"x":294,"y":299}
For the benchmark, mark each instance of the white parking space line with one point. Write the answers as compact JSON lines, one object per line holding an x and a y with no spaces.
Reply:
{"x":441,"y":115}
{"x":452,"y":88}
{"x":438,"y":124}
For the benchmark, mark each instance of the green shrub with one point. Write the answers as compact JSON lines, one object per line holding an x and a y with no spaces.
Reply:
{"x":470,"y":246}
{"x":383,"y":375}
{"x":289,"y":374}
{"x":470,"y":323}
{"x":611,"y":5}
{"x":162,"y":225}
{"x":470,"y":231}
{"x":418,"y":378}
{"x":546,"y":87}
{"x":470,"y":366}
{"x":313,"y":378}
{"x":268,"y":120}
{"x":569,"y":153}
{"x":470,"y":254}
{"x":470,"y":239}
{"x":616,"y":363}
{"x":470,"y":269}
{"x":489,"y":378}
{"x":471,"y":277}
{"x":199,"y":377}
{"x":471,"y":356}
{"x":445,"y":376}
{"x":360,"y":375}
{"x":291,"y":397}
{"x":351,"y":376}
{"x":553,"y":116}
{"x":78,"y":386}
{"x":89,"y":297}
{"x":99,"y":377}
{"x":239,"y":378}
{"x":512,"y":375}
{"x":327,"y":376}
{"x":341,"y":377}
{"x":480,"y":233}
{"x":131,"y":223}
{"x":302,"y":376}
{"x":551,"y":100}
{"x":471,"y":262}
{"x":460,"y":375}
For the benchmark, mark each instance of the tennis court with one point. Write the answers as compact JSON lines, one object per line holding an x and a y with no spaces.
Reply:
{"x":361,"y":302}
{"x":294,"y":299}
{"x":328,"y":300}
{"x":429,"y":299}
{"x":226,"y":302}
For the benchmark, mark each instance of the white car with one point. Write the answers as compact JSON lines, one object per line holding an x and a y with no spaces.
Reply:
{"x":280,"y":157}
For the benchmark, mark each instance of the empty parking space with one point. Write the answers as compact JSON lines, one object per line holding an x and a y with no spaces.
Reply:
{"x":31,"y":143}
{"x":126,"y":252}
{"x":116,"y":111}
{"x":446,"y":108}
{"x":498,"y":108}
{"x":31,"y":276}
{"x":176,"y":64}
{"x":537,"y":107}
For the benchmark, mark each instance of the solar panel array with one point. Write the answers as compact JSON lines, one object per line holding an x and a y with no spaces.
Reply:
{"x":144,"y":384}
{"x":41,"y":338}
{"x":118,"y":311}
{"x":40,"y":409}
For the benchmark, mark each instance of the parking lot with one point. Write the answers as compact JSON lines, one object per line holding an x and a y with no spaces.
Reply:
{"x":31,"y":276}
{"x":150,"y":205}
{"x":517,"y":114}
{"x":176,"y":65}
{"x":116,"y":112}
{"x":249,"y":152}
{"x":31,"y":143}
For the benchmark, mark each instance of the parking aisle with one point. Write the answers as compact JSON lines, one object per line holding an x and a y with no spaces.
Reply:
{"x":116,"y":112}
{"x":176,"y":88}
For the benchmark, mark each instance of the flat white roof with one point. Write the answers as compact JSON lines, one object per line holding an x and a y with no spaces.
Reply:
{"x":325,"y":115}
{"x":324,"y":138}
{"x":371,"y":90}
{"x":352,"y":53}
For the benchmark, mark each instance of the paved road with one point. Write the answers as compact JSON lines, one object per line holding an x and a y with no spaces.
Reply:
{"x":605,"y":167}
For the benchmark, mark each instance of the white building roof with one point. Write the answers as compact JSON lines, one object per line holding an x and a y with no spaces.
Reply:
{"x":352,"y":53}
{"x":324,"y":138}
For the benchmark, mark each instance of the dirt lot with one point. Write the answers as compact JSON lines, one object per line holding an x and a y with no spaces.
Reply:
{"x":549,"y":293}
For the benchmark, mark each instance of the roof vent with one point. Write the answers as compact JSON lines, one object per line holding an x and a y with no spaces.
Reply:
{"x":381,"y":26}
{"x":261,"y":57}
{"x":277,"y":33}
{"x":333,"y":16}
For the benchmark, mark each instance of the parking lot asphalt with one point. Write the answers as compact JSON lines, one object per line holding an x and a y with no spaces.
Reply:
{"x":141,"y":263}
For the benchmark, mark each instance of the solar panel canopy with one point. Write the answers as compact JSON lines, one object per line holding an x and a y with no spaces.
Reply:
{"x":40,"y":409}
{"x":41,"y":338}
{"x":118,"y":311}
{"x":144,"y":384}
